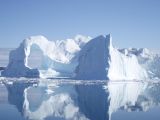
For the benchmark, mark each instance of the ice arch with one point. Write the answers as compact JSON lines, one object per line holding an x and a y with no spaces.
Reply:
{"x":59,"y":57}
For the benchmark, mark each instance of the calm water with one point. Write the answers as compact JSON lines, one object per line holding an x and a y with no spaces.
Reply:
{"x":78,"y":100}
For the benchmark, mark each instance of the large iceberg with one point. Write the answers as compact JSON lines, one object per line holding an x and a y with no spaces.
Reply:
{"x":83,"y":58}
{"x":59,"y":57}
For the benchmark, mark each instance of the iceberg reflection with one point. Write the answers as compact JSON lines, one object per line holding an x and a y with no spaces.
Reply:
{"x":133,"y":96}
{"x":15,"y":93}
{"x":68,"y":101}
{"x":77,"y":100}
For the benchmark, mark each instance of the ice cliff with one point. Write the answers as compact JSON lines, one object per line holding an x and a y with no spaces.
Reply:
{"x":83,"y":58}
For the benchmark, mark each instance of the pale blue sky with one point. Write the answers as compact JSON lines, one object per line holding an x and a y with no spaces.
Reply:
{"x":132,"y":23}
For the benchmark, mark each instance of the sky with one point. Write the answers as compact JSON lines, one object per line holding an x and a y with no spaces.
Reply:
{"x":132,"y":23}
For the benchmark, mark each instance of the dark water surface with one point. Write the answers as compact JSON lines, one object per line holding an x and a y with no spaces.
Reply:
{"x":78,"y":100}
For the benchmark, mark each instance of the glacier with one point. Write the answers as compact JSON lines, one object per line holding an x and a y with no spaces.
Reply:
{"x":83,"y":58}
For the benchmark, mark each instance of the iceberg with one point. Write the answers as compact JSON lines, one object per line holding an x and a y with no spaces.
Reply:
{"x":59,"y":57}
{"x":83,"y":58}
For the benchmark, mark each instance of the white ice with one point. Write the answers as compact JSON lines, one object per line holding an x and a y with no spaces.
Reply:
{"x":83,"y":58}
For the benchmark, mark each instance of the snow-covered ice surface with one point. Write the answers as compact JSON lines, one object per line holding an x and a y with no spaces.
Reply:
{"x":81,"y":58}
{"x":64,"y":99}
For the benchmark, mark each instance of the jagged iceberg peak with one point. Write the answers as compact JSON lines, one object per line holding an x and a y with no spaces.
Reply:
{"x":107,"y":37}
{"x":144,"y":52}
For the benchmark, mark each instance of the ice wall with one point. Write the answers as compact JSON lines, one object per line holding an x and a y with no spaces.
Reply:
{"x":17,"y":66}
{"x":93,"y":59}
{"x":125,"y":67}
